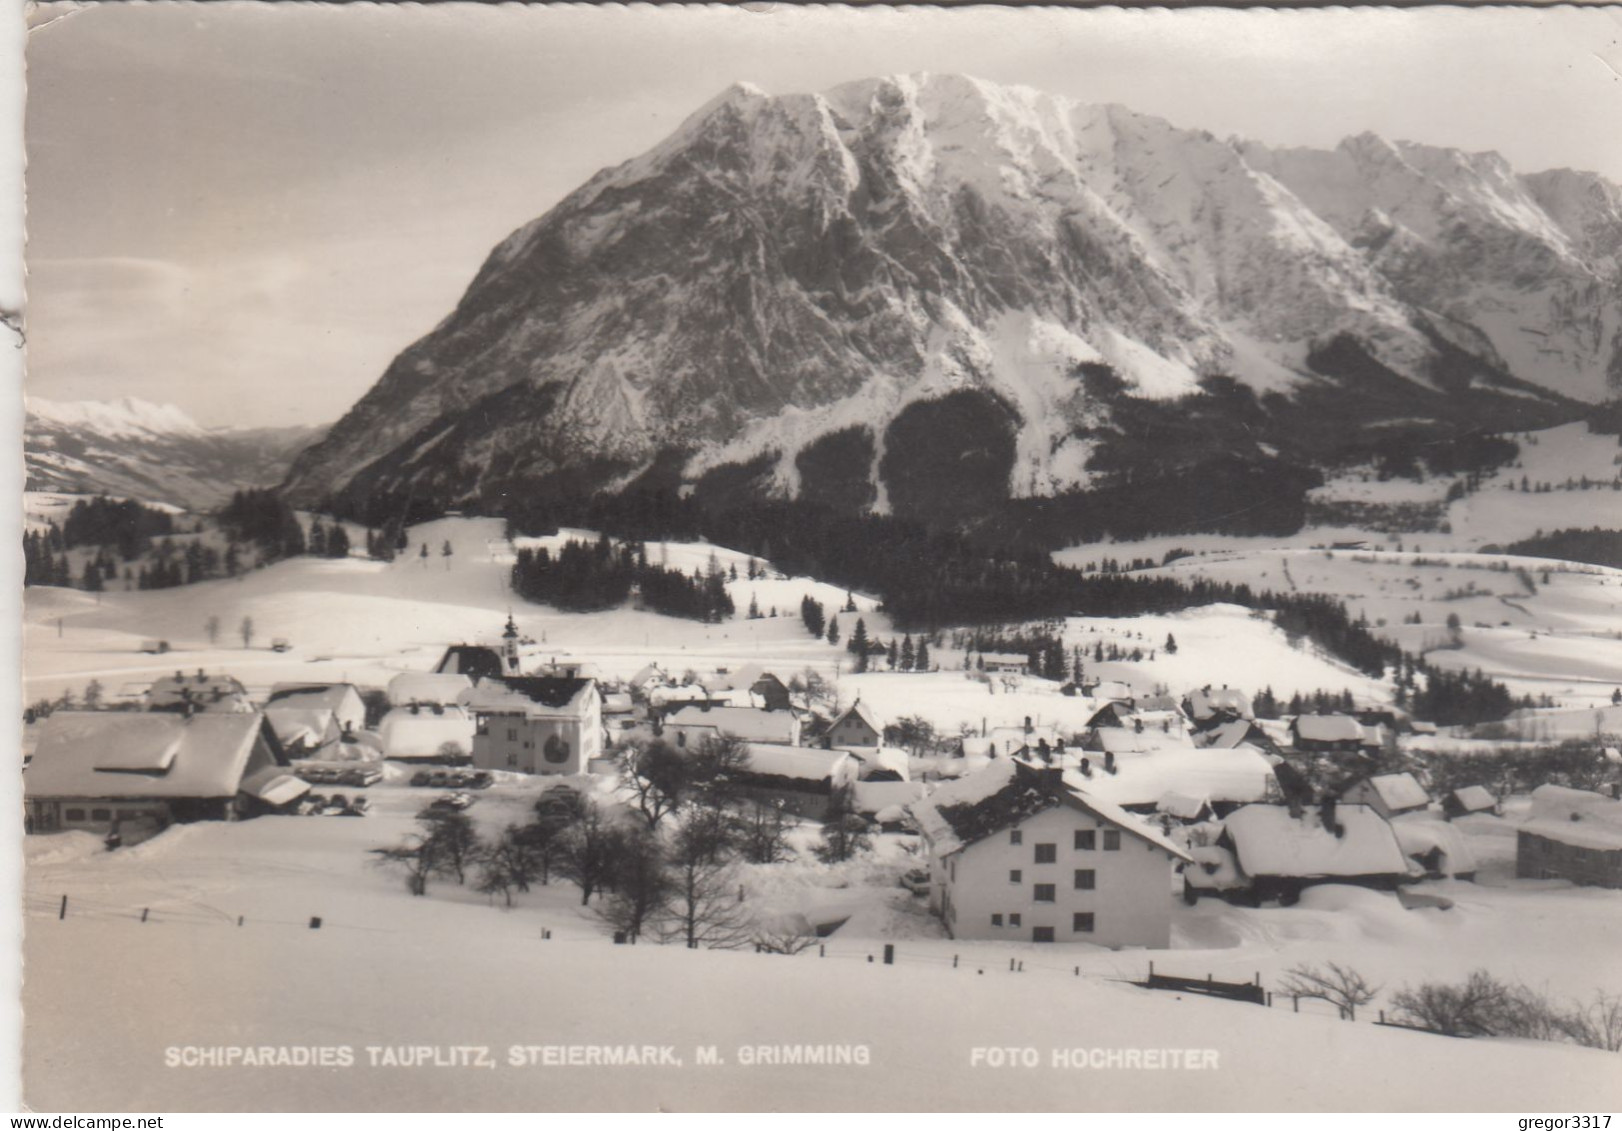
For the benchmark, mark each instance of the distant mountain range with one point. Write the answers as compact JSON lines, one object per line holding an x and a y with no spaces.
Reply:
{"x":133,"y":448}
{"x":931,"y":295}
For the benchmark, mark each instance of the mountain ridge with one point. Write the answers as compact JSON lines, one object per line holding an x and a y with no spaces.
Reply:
{"x":786,"y":268}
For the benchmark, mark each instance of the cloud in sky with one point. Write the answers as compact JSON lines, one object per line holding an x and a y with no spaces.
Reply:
{"x":248,"y":210}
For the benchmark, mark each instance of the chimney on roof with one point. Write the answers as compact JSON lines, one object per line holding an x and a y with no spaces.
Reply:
{"x":1086,"y":768}
{"x":1327,"y":815}
{"x":1027,"y":724}
{"x":1109,"y":762}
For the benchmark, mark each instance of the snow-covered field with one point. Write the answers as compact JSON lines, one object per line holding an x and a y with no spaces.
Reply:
{"x":449,"y":969}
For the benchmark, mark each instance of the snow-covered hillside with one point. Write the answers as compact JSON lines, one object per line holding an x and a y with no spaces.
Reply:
{"x":133,"y":448}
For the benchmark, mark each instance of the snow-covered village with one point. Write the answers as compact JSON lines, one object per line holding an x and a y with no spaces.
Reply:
{"x":901,"y":591}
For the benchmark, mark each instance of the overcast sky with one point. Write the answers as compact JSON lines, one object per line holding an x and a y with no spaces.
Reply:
{"x":248,"y":210}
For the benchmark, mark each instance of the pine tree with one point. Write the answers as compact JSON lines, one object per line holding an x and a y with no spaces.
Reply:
{"x":1171,"y":644}
{"x":859,"y":644}
{"x":833,"y":630}
{"x":920,"y":662}
{"x":318,"y":539}
{"x":908,"y":658}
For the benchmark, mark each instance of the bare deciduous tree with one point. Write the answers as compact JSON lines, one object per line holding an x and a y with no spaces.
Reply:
{"x":1339,"y":985}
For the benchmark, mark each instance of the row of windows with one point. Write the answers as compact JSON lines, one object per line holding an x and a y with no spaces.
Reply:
{"x":1086,"y":840}
{"x":1085,"y":880}
{"x":1081,"y":923}
{"x":103,"y":814}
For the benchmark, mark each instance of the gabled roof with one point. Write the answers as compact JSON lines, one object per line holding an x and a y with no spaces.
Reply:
{"x":332,"y":696}
{"x":807,"y":763}
{"x":1475,"y":799}
{"x":531,"y":694}
{"x":1269,"y":842}
{"x":748,"y":723}
{"x":92,"y":754}
{"x":1008,"y":792}
{"x":477,"y":661}
{"x":1571,"y":816}
{"x":428,"y":687}
{"x":220,"y":692}
{"x":1399,"y":792}
{"x":1205,"y":702}
{"x":1328,"y":728}
{"x":860,"y":711}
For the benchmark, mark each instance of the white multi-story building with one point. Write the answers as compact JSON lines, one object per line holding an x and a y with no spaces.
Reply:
{"x":1025,"y":853}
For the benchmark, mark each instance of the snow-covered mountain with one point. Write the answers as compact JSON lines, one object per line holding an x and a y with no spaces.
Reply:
{"x":130,"y":447}
{"x":851,"y":295}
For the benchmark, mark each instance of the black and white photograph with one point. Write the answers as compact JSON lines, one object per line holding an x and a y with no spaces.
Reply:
{"x":770,"y":558}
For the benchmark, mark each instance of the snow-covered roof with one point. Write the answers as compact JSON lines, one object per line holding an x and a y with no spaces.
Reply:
{"x":1237,"y":775}
{"x":536,"y":696}
{"x":1111,"y":689}
{"x":1422,"y":833}
{"x":861,"y":712}
{"x":419,"y":734}
{"x":1182,"y":806}
{"x":428,"y":687}
{"x":274,"y":785}
{"x":200,"y":688}
{"x":1475,"y":799}
{"x":882,"y":758}
{"x":1571,"y":816}
{"x":1230,"y":733}
{"x":687,"y":693}
{"x":1328,"y":728}
{"x":477,"y":661}
{"x":1205,"y":702}
{"x":874,"y":796}
{"x":807,"y":763}
{"x":957,"y":815}
{"x":1006,"y":659}
{"x":93,"y":754}
{"x":298,"y":725}
{"x":1399,"y":792}
{"x":1269,"y":842}
{"x":747,"y":723}
{"x":310,"y":696}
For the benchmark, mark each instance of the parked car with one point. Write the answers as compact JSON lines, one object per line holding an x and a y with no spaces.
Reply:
{"x":361,"y":776}
{"x":916,"y":881}
{"x":281,"y":644}
{"x":154,"y":647}
{"x":358,"y":807}
{"x":420,"y":778}
{"x":439,"y":779}
{"x":459,"y":800}
{"x":482,"y":779}
{"x":311,"y":804}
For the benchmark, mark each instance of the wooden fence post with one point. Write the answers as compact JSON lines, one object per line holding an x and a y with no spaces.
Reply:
{"x":889,"y":954}
{"x":62,"y":912}
{"x":144,"y":910}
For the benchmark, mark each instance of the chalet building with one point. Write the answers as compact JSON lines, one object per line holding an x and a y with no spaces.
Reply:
{"x":1571,"y":834}
{"x":1326,"y":734}
{"x":1389,"y":794}
{"x":1112,"y":690}
{"x":1025,"y":854}
{"x":97,"y":770}
{"x":1238,"y":732}
{"x":308,"y":717}
{"x":752,"y":683}
{"x":882,"y":763}
{"x":646,"y":679}
{"x":1208,"y":708}
{"x":857,"y":727}
{"x":1003,"y":663}
{"x":1279,"y":853}
{"x":428,"y":732}
{"x":1469,"y":799}
{"x":428,"y":687}
{"x":1184,"y":783}
{"x":199,"y":692}
{"x":536,"y":724}
{"x":1013,"y":741}
{"x":803,"y":779}
{"x":1435,"y":847}
{"x":691,"y":725}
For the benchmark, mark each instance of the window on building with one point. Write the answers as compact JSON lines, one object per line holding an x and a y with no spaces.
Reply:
{"x":1016,"y":837}
{"x":512,"y":759}
{"x":101,"y":814}
{"x":1082,"y":922}
{"x":953,"y":869}
{"x":681,"y":738}
{"x":1041,"y":934}
{"x":1015,"y":876}
{"x":1045,"y":893}
{"x":1047,"y":853}
{"x":1013,"y":919}
{"x":1112,"y":840}
{"x":512,"y":734}
{"x":1086,"y":879}
{"x":996,"y":918}
{"x":73,"y":814}
{"x":1086,"y":840}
